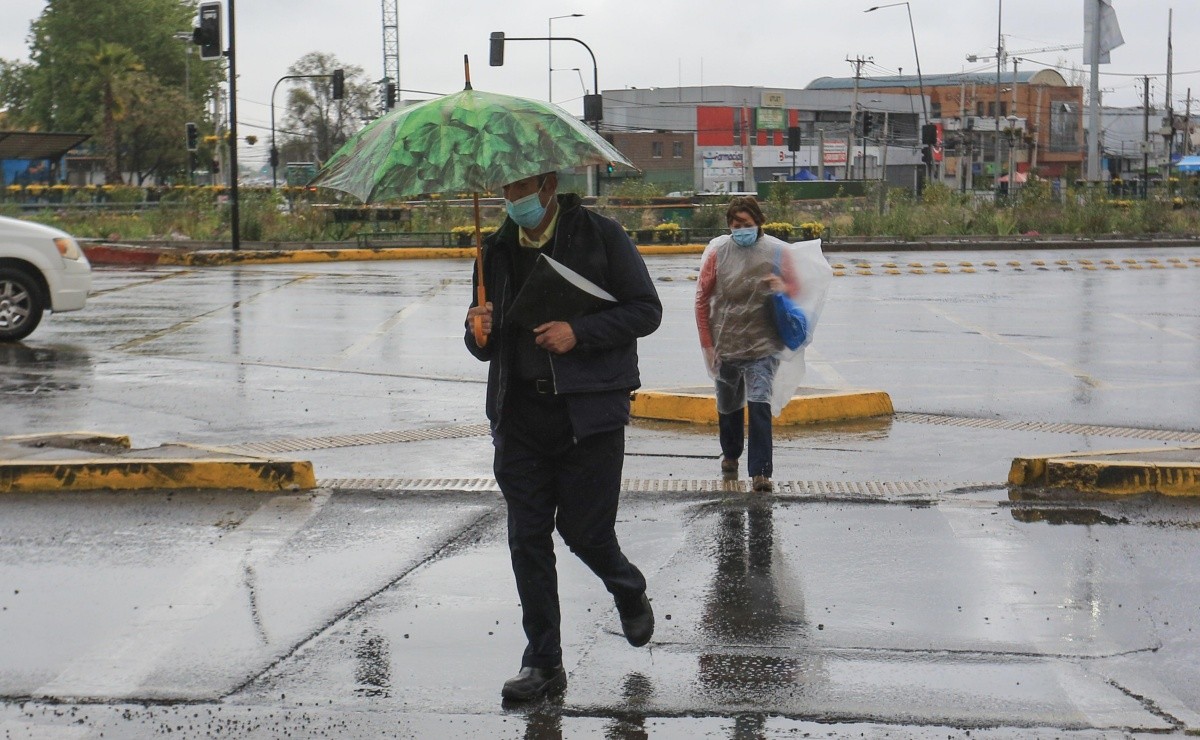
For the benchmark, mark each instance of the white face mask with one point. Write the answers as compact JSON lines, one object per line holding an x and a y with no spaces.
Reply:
{"x":745,"y":237}
{"x":528,"y":211}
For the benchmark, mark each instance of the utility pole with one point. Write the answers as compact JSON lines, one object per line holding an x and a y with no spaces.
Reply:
{"x":1012,"y":134}
{"x":1093,"y":162}
{"x":1170,"y":127}
{"x":999,"y":66}
{"x":821,"y":154}
{"x":858,"y":63}
{"x":1145,"y":137}
{"x":1187,"y":125}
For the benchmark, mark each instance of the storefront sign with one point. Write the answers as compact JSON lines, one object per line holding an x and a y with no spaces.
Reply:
{"x":771,"y":119}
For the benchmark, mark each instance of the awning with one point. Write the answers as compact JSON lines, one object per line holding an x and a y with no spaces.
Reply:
{"x":1188,"y":164}
{"x":37,"y":145}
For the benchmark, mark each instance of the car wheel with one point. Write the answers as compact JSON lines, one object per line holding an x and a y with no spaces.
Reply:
{"x":21,"y":304}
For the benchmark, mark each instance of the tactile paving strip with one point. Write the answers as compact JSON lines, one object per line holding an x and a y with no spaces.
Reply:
{"x":866,"y":268}
{"x":833,"y":489}
{"x":300,"y":444}
{"x":1093,"y":430}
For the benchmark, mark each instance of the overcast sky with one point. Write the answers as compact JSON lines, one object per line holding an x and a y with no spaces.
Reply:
{"x":664,"y":43}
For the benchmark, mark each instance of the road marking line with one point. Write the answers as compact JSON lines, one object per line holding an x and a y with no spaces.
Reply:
{"x":1046,"y":360}
{"x":118,"y":667}
{"x":382,"y":330}
{"x":1165,"y":329}
{"x":188,"y":323}
{"x":829,"y":375}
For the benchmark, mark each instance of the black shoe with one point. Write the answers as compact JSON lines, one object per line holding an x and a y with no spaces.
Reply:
{"x":638,"y":624}
{"x":533,"y":683}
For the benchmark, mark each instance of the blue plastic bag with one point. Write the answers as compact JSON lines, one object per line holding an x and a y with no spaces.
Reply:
{"x":790,"y":321}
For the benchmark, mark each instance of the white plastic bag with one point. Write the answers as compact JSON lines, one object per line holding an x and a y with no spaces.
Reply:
{"x":815,"y":275}
{"x":741,"y":323}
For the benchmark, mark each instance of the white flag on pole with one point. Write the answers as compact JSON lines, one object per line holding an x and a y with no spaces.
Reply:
{"x":1110,"y":32}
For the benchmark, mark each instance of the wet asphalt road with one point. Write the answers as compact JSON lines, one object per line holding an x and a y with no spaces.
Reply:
{"x":892,"y":587}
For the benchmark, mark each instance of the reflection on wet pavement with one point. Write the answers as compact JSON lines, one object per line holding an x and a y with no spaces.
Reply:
{"x":372,"y":669}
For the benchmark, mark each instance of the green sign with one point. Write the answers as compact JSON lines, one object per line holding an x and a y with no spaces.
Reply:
{"x":771,"y":119}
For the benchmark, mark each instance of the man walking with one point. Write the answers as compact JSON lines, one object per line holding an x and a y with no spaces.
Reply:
{"x":558,"y":402}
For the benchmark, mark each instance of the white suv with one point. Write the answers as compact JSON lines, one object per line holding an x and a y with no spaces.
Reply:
{"x":40,"y":269}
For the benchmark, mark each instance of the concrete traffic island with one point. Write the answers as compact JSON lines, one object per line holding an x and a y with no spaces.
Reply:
{"x":698,"y":405}
{"x":84,"y":461}
{"x":1170,"y":471}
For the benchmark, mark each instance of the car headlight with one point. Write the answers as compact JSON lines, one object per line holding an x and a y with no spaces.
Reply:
{"x":67,"y":247}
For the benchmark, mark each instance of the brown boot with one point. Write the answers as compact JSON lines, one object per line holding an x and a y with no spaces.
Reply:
{"x":762,"y":484}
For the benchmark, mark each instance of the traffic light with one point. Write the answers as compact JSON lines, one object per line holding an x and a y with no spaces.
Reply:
{"x":390,"y":96}
{"x":593,"y":108}
{"x":339,"y":84}
{"x":929,"y":134}
{"x":927,"y":154}
{"x":496,"y":53}
{"x":207,"y":35}
{"x":793,"y":138}
{"x":214,"y":166}
{"x":867,"y":122}
{"x":192,"y":136}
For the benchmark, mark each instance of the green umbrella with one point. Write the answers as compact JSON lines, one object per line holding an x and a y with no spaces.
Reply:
{"x":468,"y":142}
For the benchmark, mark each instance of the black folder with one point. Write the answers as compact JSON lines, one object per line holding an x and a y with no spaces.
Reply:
{"x":555,"y":292}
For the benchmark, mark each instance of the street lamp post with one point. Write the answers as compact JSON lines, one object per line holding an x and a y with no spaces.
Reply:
{"x":920,"y":79}
{"x":912,"y":31}
{"x":550,"y":53}
{"x":274,"y":156}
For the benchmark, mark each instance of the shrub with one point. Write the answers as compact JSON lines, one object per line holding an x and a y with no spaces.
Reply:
{"x":779,"y":230}
{"x":667,"y":233}
{"x":810,"y":230}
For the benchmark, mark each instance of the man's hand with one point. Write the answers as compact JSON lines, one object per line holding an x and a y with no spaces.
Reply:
{"x":555,"y":336}
{"x":711,"y":361}
{"x":485,"y":313}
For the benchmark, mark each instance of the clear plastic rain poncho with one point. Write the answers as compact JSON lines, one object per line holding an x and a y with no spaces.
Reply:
{"x":740,"y":317}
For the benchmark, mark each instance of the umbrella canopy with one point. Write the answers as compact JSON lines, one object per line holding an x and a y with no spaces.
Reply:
{"x":469,"y":142}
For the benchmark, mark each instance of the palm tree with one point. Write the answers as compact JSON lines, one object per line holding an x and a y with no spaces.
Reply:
{"x":116,"y":67}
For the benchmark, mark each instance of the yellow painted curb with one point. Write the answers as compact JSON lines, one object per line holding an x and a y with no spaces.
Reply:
{"x":299,"y":256}
{"x":71,"y":438}
{"x":126,"y":474}
{"x":699,"y":407}
{"x":213,"y":258}
{"x":1138,"y":473}
{"x":672,"y":249}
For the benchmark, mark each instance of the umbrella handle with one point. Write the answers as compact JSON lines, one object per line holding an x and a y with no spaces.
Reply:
{"x":481,"y":339}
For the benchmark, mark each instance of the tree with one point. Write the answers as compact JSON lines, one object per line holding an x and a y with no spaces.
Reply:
{"x":155,"y":133}
{"x":117,"y":69}
{"x":78,"y":79}
{"x":316,"y":122}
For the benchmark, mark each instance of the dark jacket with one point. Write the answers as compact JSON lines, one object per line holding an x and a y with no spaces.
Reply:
{"x":605,"y":356}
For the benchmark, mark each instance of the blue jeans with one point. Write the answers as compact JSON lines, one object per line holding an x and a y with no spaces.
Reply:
{"x":732,"y":430}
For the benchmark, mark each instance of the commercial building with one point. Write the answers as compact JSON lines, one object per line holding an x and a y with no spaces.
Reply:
{"x":1031,"y":121}
{"x":729,"y":138}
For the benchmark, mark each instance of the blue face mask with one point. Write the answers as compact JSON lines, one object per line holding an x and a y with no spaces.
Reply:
{"x":528,"y":212}
{"x":745,"y":237}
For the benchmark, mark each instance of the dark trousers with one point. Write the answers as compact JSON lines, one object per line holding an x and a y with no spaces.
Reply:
{"x":551,"y":480}
{"x":733,"y":430}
